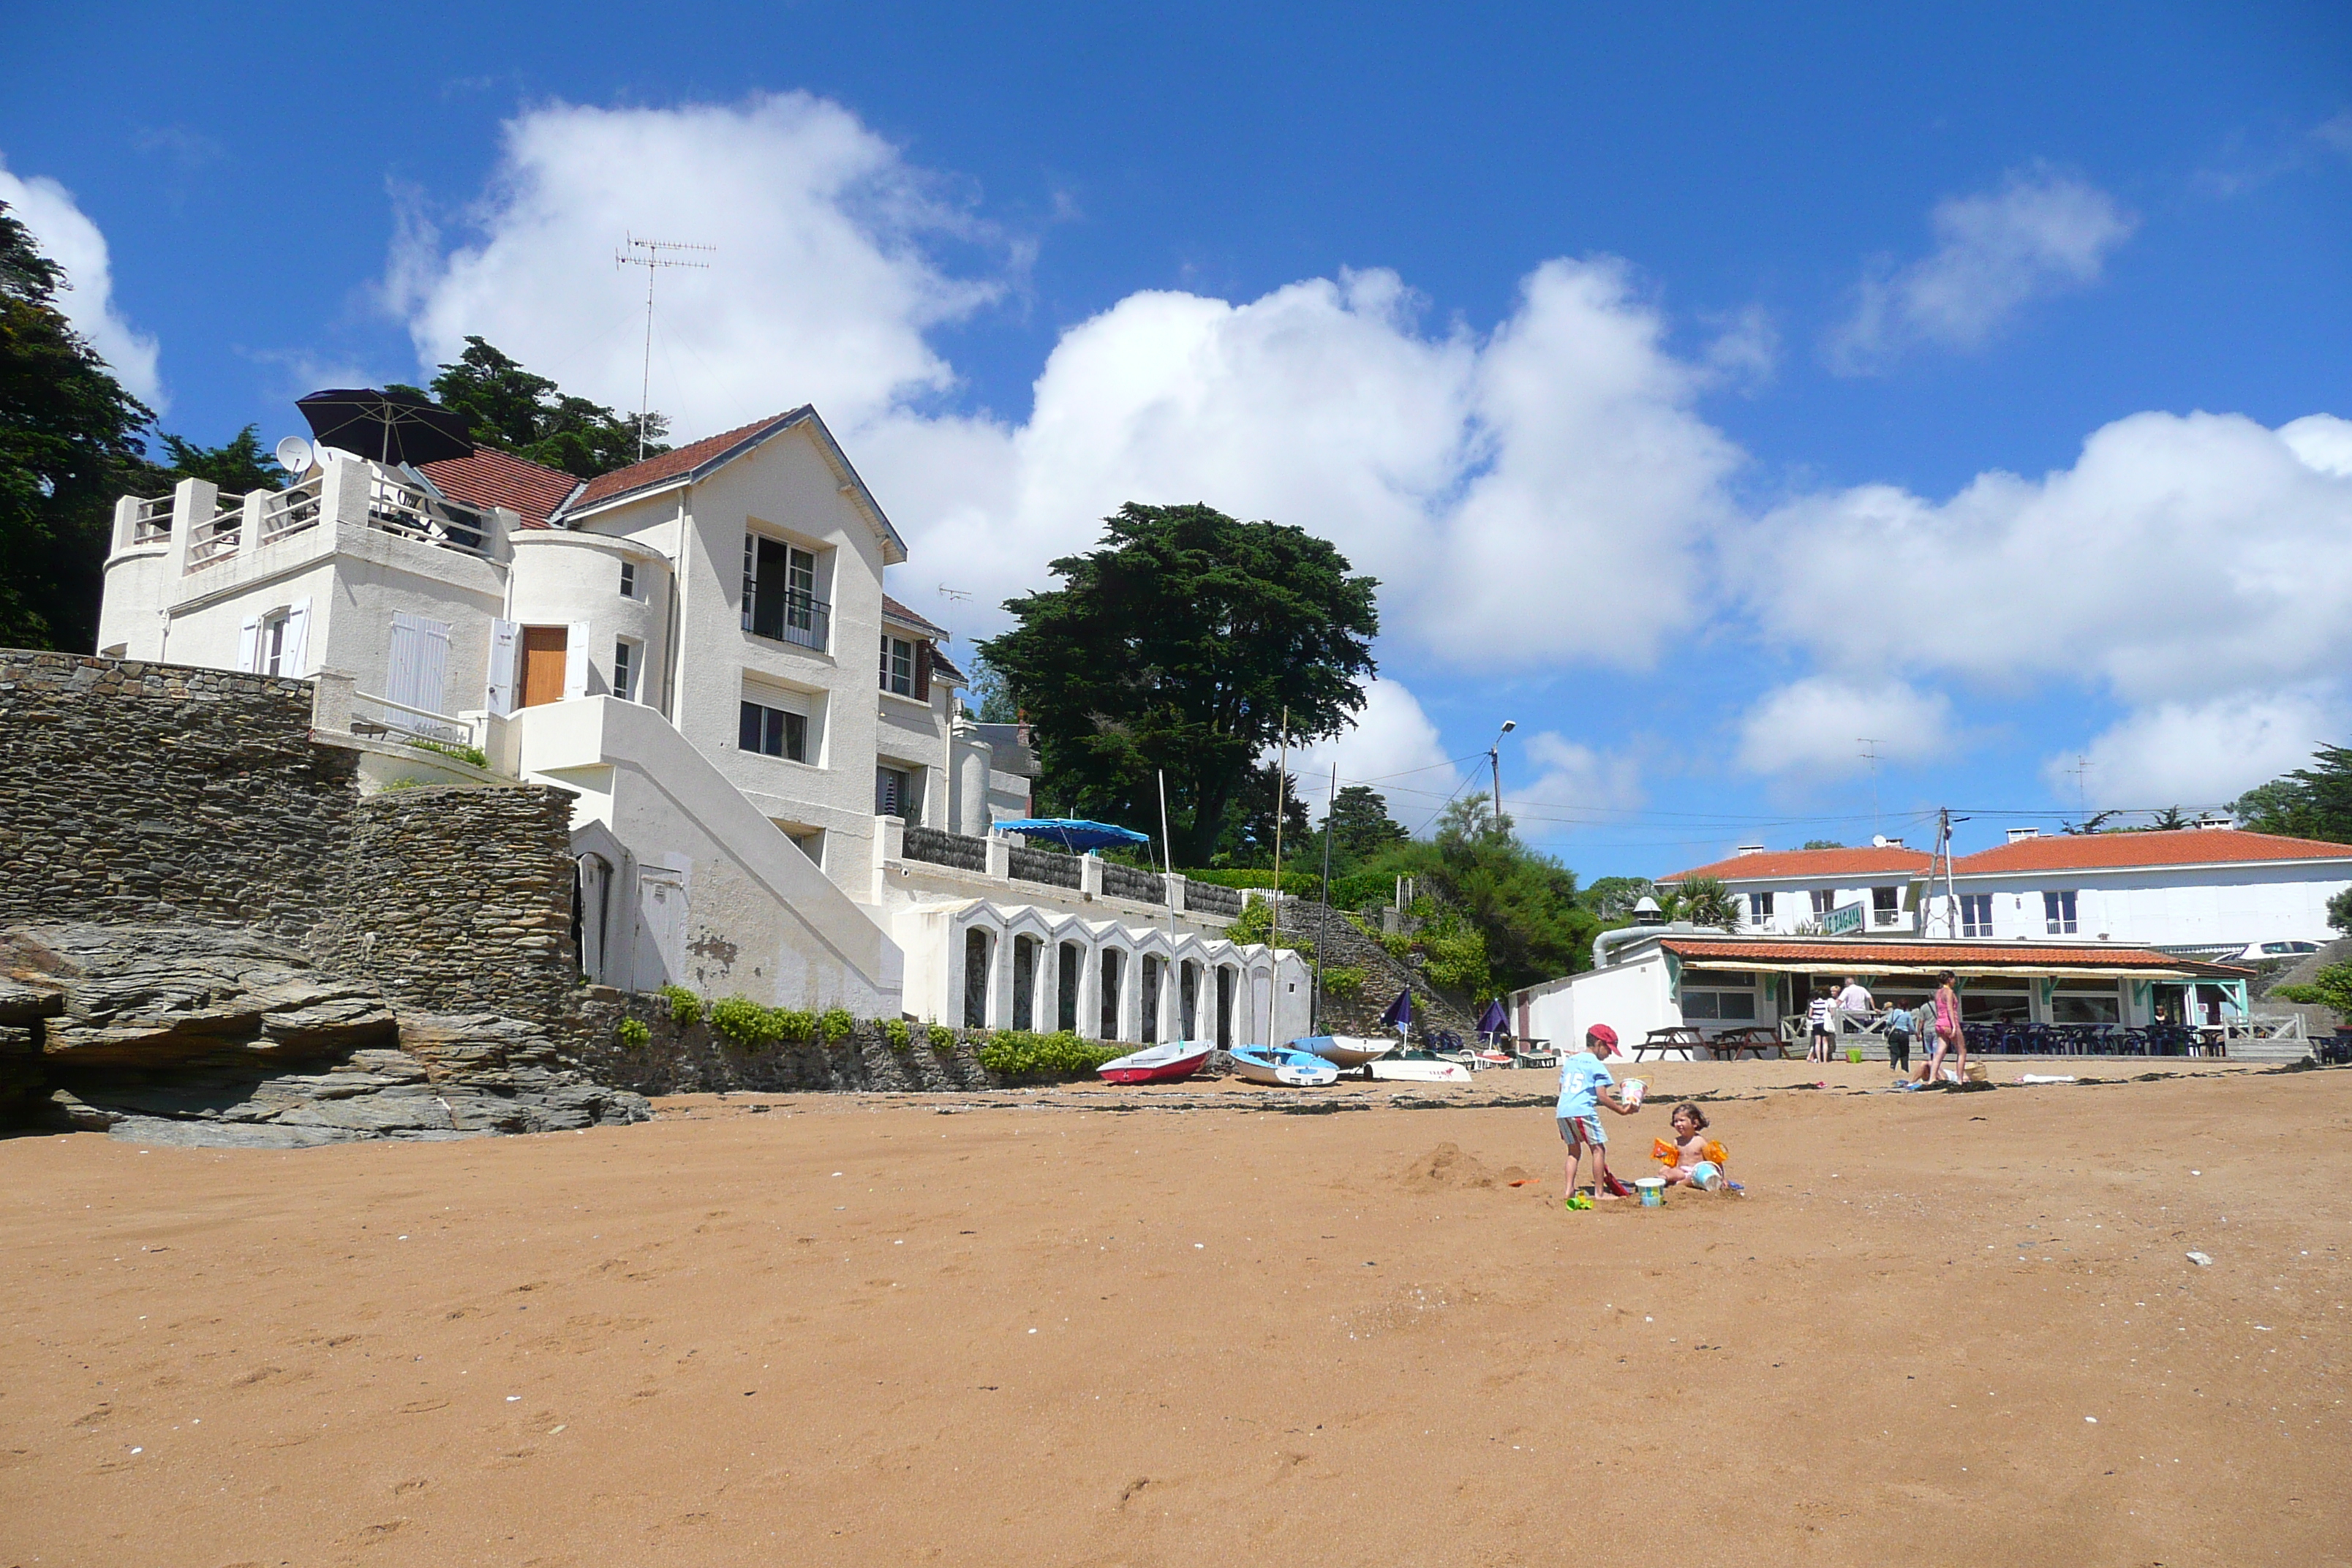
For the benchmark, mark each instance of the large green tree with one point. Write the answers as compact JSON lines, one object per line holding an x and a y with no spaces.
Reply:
{"x":1249,"y":838}
{"x":2309,"y":803}
{"x":69,"y":436}
{"x":1360,"y":828}
{"x":238,"y":465}
{"x":1176,"y":646}
{"x":514,"y":410}
{"x":1522,"y":902}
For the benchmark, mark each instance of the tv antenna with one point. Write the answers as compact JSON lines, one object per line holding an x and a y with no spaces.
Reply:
{"x":653,"y":261}
{"x":954,"y":595}
{"x":2081,"y":770}
{"x":1870,"y":745}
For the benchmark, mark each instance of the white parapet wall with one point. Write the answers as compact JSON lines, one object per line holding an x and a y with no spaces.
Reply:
{"x":708,"y":893}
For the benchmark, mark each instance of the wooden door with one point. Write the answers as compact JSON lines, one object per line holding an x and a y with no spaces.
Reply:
{"x":543,"y":652}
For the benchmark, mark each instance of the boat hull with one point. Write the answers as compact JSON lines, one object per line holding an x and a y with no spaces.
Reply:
{"x":1282,"y":1069}
{"x":1344,"y":1050}
{"x":1392,"y":1071}
{"x":1162,"y":1064}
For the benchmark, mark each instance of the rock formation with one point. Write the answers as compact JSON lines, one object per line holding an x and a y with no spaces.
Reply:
{"x":191,"y":1035}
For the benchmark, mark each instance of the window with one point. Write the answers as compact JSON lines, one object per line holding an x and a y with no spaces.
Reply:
{"x":1824,"y":900}
{"x":1713,"y":995}
{"x":897,"y":664}
{"x":773,"y":733}
{"x":1975,"y":914}
{"x":270,"y":658}
{"x":2086,"y":1001}
{"x":1759,"y":909}
{"x":628,"y":579}
{"x":1885,"y":906}
{"x":780,"y":593}
{"x":2058,"y":913}
{"x":625,"y":670}
{"x":895,"y":794}
{"x":1985,"y":1001}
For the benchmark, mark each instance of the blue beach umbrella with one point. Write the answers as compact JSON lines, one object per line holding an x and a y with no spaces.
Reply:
{"x":1072,"y":833}
{"x":1400,"y":1012}
{"x":1493,"y":1021}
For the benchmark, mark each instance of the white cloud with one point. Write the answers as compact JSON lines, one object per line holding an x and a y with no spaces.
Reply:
{"x":2200,"y":754}
{"x":819,"y":288}
{"x":1393,"y":749}
{"x":66,"y":235}
{"x":1815,"y":728}
{"x":2181,"y":557}
{"x":1541,"y":492}
{"x":1571,"y":779}
{"x":2040,"y":234}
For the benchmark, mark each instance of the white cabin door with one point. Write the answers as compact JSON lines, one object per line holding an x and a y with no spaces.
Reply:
{"x":661,"y":927}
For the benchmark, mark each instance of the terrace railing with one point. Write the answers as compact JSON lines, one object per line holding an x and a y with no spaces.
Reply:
{"x":1125,"y":882}
{"x":292,"y":509}
{"x":1043,"y":866}
{"x":397,"y":507}
{"x":215,"y":538}
{"x":940,"y":847}
{"x":151,"y":522}
{"x":381,"y":716}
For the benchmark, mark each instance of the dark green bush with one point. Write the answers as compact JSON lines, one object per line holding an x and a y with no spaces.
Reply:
{"x":835,"y":1023}
{"x":942,"y":1039}
{"x":684,"y":1006}
{"x":634,"y":1033}
{"x":896,"y":1032}
{"x":1018,"y":1053}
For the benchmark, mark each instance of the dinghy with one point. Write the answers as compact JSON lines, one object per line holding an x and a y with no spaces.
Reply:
{"x":1158,"y":1063}
{"x":1344,"y":1051}
{"x":1418,"y":1066}
{"x":1280,"y":1064}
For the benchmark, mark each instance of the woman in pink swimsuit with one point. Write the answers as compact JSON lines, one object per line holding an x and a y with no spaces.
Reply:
{"x":1948,"y":1036}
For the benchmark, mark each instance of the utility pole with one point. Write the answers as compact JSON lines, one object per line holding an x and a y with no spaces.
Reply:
{"x":653,"y":261}
{"x":1877,"y":829}
{"x":1281,"y":786}
{"x":1494,"y":763}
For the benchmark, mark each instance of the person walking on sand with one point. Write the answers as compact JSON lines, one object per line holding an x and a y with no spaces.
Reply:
{"x":1899,"y":1026}
{"x":1945,"y":1031}
{"x":1585,"y":1086}
{"x":1820,"y":1016}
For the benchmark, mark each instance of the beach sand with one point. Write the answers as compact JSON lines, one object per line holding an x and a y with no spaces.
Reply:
{"x":1939,"y":1328}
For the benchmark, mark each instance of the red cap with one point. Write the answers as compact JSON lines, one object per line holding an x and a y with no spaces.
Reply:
{"x":1601,"y":1035}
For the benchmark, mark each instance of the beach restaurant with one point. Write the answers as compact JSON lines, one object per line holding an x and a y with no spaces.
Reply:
{"x":2018,"y":996}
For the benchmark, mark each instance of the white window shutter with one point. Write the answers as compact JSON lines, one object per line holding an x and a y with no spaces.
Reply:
{"x":432,"y":668}
{"x":294,"y":658}
{"x":504,"y":638}
{"x":249,"y":646}
{"x":420,"y":661}
{"x":575,"y":660}
{"x":400,"y":678}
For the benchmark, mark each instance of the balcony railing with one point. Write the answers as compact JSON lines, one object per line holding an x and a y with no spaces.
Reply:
{"x":394,"y":507}
{"x":790,"y":616}
{"x":292,"y":509}
{"x":151,"y":522}
{"x":216,"y":537}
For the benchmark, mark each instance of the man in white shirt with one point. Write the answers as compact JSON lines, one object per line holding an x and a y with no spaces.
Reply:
{"x":1855,"y":1003}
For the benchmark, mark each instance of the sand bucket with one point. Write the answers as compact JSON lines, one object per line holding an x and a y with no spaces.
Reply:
{"x":1632,"y":1090}
{"x":1652,"y":1190}
{"x":1854,"y":1054}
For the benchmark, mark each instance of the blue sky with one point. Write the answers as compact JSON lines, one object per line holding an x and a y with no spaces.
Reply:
{"x":1712,"y":388}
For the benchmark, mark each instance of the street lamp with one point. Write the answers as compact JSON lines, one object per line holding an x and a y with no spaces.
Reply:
{"x":1495,"y":764}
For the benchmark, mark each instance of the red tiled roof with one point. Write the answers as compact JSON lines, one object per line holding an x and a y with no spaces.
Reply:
{"x":2117,"y":851}
{"x":1934,"y":955}
{"x":501,"y":479}
{"x":906,"y":618}
{"x":677,"y":463}
{"x":1777,"y":864}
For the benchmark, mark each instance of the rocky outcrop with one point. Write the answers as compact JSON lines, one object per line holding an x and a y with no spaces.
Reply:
{"x":191,"y":1035}
{"x":1342,"y":942}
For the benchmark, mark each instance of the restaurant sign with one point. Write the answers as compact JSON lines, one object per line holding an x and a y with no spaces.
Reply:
{"x":1844,"y":920}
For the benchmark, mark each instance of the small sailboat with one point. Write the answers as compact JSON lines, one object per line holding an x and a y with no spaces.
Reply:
{"x":1345,"y":1052}
{"x":1166,"y":1063}
{"x":1418,"y":1066}
{"x":1280,"y":1064}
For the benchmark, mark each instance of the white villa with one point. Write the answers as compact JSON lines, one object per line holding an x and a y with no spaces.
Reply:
{"x":682,"y":645}
{"x":2212,"y":888}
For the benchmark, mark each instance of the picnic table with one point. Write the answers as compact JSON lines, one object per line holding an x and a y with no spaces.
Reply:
{"x":1757,"y":1038}
{"x":1677,"y":1038}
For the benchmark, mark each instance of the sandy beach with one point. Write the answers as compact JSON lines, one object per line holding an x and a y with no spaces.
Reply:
{"x":1045,"y":1328}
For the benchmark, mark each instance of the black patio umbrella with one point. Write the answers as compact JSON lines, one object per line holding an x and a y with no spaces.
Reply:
{"x":389,"y":426}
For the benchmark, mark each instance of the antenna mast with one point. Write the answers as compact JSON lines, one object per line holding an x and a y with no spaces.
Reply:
{"x":1878,"y":827}
{"x":653,"y":261}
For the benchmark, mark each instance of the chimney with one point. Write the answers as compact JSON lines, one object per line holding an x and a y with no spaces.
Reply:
{"x":2216,"y":820}
{"x":1882,"y":842}
{"x":2017,"y":833}
{"x":1751,"y":849}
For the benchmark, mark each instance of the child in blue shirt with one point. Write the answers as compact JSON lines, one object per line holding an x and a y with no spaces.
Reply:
{"x":1585,"y":1086}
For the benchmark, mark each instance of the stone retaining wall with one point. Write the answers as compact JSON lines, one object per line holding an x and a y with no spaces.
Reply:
{"x":694,"y":1059}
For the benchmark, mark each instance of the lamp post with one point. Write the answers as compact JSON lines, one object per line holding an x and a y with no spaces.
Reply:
{"x":1495,"y":764}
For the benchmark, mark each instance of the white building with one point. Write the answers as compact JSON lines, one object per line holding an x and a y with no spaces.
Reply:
{"x":684,"y":644}
{"x":1646,"y":979}
{"x":2211,"y":887}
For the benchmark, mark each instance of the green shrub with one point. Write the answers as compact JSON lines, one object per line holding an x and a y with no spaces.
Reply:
{"x":634,"y":1033}
{"x":684,"y":1006}
{"x":1018,"y":1053}
{"x":474,"y":754}
{"x":1255,"y":924}
{"x":1345,"y":980}
{"x":750,"y":1026}
{"x":835,"y":1023}
{"x":942,"y":1039}
{"x":896,"y":1032}
{"x":2331,"y":987}
{"x":1297,"y":884}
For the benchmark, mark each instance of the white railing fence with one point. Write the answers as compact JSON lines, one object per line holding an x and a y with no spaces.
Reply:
{"x":152,"y":522}
{"x":371,"y":714}
{"x":397,"y":507}
{"x":292,"y":509}
{"x":215,"y":538}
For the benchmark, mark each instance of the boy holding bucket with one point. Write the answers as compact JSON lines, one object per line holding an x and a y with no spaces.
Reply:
{"x":1585,"y":1086}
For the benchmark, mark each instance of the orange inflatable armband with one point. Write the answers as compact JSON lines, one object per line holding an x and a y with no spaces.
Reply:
{"x":1664,"y":1153}
{"x":1717,"y":1153}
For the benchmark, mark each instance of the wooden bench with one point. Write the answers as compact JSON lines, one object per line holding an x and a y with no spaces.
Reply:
{"x":1731,"y":1043}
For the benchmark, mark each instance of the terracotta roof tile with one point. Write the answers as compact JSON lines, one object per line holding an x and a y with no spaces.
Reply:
{"x":906,"y":618}
{"x":2117,"y":851}
{"x":1784,"y":863}
{"x":490,"y":479}
{"x":1944,"y":954}
{"x":677,"y":464}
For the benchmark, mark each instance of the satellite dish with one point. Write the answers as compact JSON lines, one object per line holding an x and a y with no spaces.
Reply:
{"x":294,"y":454}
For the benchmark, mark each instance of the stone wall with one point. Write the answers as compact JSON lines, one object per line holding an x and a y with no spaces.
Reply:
{"x":459,"y":900}
{"x":136,"y":791}
{"x":694,"y":1059}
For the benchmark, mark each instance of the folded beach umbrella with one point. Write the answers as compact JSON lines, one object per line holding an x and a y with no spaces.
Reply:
{"x":1494,"y":1021}
{"x":1400,"y":1012}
